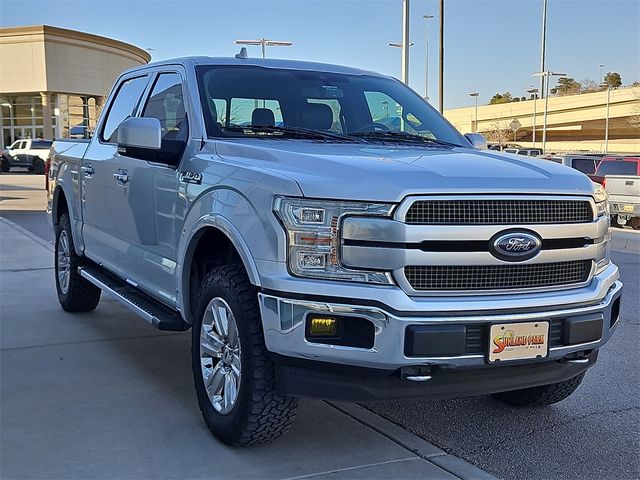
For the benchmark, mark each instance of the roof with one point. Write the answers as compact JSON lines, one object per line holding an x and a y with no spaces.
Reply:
{"x":47,"y":30}
{"x":263,"y":62}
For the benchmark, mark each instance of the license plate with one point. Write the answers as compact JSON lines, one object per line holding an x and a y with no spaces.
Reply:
{"x":627,"y":208}
{"x":518,"y":341}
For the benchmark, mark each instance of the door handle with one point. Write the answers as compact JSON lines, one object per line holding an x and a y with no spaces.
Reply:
{"x":88,"y":170}
{"x":122,"y":178}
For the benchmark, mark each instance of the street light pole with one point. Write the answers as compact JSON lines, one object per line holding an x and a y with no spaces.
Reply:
{"x":534,"y":92}
{"x":441,"y":61}
{"x":264,"y":43}
{"x":405,"y":42}
{"x":426,"y":69}
{"x":543,"y":47}
{"x":475,"y":122}
{"x":546,"y":75}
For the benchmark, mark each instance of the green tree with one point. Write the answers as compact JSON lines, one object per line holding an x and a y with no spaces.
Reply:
{"x":501,"y":98}
{"x":613,"y":79}
{"x":567,"y":86}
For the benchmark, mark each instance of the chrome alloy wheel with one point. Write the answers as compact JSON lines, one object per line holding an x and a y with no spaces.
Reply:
{"x":220,"y":355}
{"x":64,"y":262}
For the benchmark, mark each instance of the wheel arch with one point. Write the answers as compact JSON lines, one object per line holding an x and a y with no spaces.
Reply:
{"x":213,"y":241}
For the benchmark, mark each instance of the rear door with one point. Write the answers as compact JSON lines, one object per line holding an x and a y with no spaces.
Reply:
{"x":97,"y":170}
{"x":149,"y":210}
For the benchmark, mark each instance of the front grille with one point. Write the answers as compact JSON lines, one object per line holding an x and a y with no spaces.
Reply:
{"x":498,"y":212}
{"x":477,"y":337}
{"x":496,"y":277}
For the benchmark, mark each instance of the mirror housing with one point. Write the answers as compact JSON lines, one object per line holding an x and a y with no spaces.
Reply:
{"x":476,"y":140}
{"x":140,"y":133}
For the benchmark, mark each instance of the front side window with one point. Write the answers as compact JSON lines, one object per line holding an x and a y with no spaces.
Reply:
{"x":345,"y":107}
{"x":123,"y":106}
{"x":166,"y":103}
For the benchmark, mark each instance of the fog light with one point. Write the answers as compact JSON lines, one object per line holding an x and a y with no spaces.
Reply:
{"x":323,"y":326}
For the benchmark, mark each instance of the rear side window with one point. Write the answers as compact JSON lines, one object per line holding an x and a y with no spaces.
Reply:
{"x":584,"y":165}
{"x":619,"y":167}
{"x":123,"y":106}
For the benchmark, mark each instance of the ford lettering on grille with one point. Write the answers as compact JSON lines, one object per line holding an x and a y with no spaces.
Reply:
{"x":515,"y":246}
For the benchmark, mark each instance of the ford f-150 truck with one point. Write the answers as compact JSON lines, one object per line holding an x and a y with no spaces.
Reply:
{"x":325,"y":233}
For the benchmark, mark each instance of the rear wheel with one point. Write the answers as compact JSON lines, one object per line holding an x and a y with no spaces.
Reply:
{"x":233,"y":374}
{"x":542,"y":395}
{"x":38,"y":166}
{"x":75,"y":294}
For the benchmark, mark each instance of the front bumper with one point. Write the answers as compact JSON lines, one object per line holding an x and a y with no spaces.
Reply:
{"x":284,"y":319}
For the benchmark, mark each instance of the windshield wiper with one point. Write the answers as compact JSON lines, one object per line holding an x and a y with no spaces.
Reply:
{"x":395,"y":136}
{"x":291,"y":132}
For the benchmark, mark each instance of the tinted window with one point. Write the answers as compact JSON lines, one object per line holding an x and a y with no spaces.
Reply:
{"x":617,"y":168}
{"x":584,"y":165}
{"x":41,"y":144}
{"x":166,"y":103}
{"x":123,"y":106}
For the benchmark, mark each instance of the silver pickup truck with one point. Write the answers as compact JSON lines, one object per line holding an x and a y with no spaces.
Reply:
{"x":326,"y":233}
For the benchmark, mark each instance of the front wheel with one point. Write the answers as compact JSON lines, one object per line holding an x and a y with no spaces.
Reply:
{"x":233,"y":374}
{"x":542,"y":395}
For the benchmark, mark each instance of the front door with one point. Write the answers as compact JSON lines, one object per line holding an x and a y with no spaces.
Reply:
{"x":98,"y":180}
{"x":149,"y":210}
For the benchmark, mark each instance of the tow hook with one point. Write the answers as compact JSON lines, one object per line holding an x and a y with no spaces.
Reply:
{"x":576,"y":358}
{"x":416,"y":374}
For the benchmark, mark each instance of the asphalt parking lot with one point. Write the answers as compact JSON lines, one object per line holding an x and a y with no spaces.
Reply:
{"x":104,"y":395}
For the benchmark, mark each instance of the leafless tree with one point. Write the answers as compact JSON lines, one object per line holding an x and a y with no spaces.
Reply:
{"x":499,"y":132}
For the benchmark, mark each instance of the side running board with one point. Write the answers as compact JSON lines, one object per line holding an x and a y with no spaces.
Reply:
{"x":159,"y":315}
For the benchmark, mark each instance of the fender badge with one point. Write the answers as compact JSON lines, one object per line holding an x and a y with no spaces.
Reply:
{"x":191,"y":177}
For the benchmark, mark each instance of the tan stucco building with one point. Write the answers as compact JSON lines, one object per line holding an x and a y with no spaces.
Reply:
{"x":574,"y":122}
{"x":53,"y":79}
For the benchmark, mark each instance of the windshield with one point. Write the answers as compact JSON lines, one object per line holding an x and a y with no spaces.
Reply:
{"x":617,"y":168}
{"x":348,"y":106}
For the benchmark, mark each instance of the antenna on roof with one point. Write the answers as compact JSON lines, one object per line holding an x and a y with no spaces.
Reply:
{"x":243,"y":53}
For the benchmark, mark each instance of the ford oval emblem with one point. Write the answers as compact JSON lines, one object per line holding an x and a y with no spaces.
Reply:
{"x":515,"y":246}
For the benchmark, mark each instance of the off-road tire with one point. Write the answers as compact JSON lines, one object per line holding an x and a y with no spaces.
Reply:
{"x":260,"y":414}
{"x":38,"y":166}
{"x":542,"y":395}
{"x":82,"y":295}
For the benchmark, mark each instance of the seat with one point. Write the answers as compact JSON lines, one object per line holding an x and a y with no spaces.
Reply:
{"x":263,"y":117}
{"x":316,"y":116}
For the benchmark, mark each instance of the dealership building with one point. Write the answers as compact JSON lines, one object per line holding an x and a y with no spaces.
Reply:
{"x":54,"y":81}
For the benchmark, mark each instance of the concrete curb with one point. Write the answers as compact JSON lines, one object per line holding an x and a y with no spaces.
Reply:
{"x":416,"y":445}
{"x":28,"y":234}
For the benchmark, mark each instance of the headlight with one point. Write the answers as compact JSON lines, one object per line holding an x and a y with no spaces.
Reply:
{"x":602,"y":200}
{"x":313,"y":237}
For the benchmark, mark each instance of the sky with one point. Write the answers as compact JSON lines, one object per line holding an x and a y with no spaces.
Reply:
{"x":490,"y":45}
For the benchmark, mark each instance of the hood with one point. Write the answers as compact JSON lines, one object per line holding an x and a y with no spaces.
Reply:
{"x":386,"y":173}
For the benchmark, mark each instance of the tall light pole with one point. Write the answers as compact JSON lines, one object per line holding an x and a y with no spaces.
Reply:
{"x":441,"y":61}
{"x":264,"y":43}
{"x":426,"y":51}
{"x":543,"y":48}
{"x":601,"y":72}
{"x":405,"y":42}
{"x":475,"y":121}
{"x":606,"y":122}
{"x":546,"y":75}
{"x":534,"y":92}
{"x":400,"y":45}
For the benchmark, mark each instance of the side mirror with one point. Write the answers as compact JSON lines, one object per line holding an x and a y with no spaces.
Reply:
{"x":139,"y":133}
{"x":476,"y":140}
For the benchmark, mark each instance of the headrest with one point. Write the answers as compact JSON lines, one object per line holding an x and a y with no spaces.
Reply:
{"x":316,"y":116}
{"x":263,"y":117}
